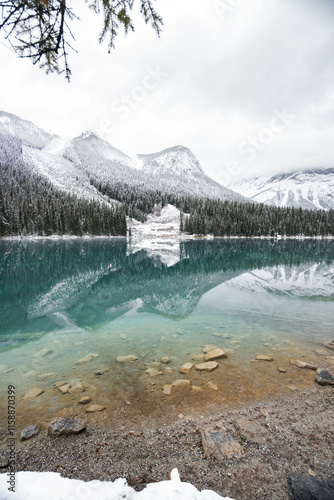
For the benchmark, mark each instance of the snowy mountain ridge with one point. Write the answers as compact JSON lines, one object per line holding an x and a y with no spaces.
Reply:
{"x":72,"y":164}
{"x":311,"y":189}
{"x":29,"y":134}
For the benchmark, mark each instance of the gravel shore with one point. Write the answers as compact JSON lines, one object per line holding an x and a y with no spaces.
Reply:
{"x":291,"y":434}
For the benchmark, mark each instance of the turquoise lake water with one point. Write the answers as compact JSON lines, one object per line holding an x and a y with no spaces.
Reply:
{"x":152,"y":299}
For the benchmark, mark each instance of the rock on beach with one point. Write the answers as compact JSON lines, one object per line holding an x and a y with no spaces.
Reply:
{"x":209,"y":366}
{"x":95,"y":408}
{"x":323,"y":377}
{"x":29,"y":432}
{"x":215,"y":354}
{"x":65,"y":426}
{"x":186,"y":368}
{"x":220,"y":444}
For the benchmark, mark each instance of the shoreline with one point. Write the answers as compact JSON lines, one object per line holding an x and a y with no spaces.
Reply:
{"x":161,"y":237}
{"x":292,"y":433}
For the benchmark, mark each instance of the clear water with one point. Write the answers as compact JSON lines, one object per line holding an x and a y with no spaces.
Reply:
{"x":152,"y":299}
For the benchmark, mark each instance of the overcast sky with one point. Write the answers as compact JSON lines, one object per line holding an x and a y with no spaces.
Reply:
{"x":247,"y":85}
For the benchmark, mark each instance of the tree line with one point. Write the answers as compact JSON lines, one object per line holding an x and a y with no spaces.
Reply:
{"x":254,"y":219}
{"x":31,"y":205}
{"x":205,"y":216}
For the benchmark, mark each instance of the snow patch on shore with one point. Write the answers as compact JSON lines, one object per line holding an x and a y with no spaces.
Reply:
{"x":51,"y":486}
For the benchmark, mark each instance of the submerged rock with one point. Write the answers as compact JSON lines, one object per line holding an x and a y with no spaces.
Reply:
{"x":302,"y":364}
{"x":212,"y":386}
{"x":282,"y":370}
{"x":33,"y":393}
{"x":196,"y":388}
{"x":65,"y":426}
{"x":198,"y":357}
{"x":330,"y":344}
{"x":321,"y":352}
{"x":208,"y":348}
{"x":261,"y":357}
{"x":182,"y":382}
{"x":58,"y":384}
{"x":87,"y":358}
{"x":29,"y":432}
{"x":42,"y":353}
{"x":64,"y":388}
{"x":207,"y":367}
{"x":102,"y":371}
{"x":77,"y":389}
{"x":152,"y":372}
{"x":324,"y":377}
{"x":166,"y":360}
{"x":5,"y":369}
{"x":47,"y":375}
{"x":215,"y":354}
{"x":186,"y":368}
{"x":4,"y":462}
{"x":126,"y":359}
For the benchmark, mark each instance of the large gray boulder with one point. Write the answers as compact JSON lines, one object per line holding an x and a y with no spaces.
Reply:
{"x":310,"y":488}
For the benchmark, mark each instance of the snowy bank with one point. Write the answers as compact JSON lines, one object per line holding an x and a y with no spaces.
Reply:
{"x":51,"y":486}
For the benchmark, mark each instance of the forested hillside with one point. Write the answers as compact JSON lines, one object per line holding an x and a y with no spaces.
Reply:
{"x":30,"y":205}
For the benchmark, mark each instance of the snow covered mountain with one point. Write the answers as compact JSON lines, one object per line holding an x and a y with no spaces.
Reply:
{"x":178,"y":169}
{"x":311,"y":189}
{"x":72,"y":164}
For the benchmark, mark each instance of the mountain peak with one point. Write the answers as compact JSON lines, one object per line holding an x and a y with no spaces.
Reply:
{"x":92,"y":133}
{"x":177,"y":160}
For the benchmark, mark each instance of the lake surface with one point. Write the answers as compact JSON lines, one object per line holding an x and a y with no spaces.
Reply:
{"x":153,"y":299}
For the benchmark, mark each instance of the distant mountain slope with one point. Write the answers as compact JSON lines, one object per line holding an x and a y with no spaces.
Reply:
{"x":61,"y":173}
{"x":312,"y":189}
{"x":29,"y":134}
{"x":178,"y":169}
